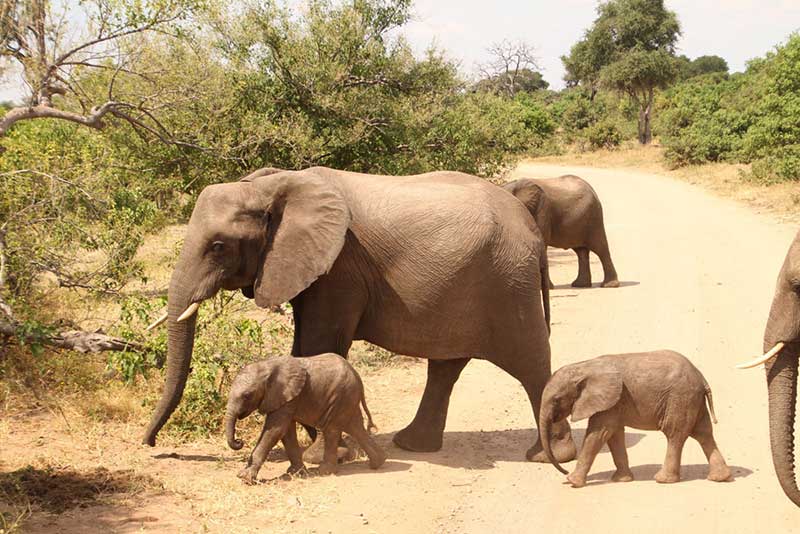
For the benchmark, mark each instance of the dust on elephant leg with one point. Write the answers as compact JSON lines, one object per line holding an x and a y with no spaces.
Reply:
{"x":424,"y":433}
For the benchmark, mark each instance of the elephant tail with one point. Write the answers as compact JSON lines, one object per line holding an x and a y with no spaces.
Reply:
{"x":710,"y":400}
{"x":370,"y":425}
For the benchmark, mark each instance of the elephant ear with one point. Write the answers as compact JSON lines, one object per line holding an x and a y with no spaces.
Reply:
{"x":307,"y":225}
{"x":598,"y":390}
{"x":535,"y":200}
{"x":285,"y":380}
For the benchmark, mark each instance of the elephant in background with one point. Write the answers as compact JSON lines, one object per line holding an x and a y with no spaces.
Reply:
{"x":323,"y":392}
{"x":781,"y":351}
{"x":444,"y":266}
{"x":569,"y":215}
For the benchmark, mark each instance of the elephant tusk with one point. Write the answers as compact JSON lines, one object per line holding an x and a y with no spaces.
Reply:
{"x":762,"y":359}
{"x":157,"y":322}
{"x":191,"y":310}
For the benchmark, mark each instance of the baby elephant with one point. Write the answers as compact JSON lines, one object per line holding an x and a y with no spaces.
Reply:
{"x":658,"y":390}
{"x":321,"y":391}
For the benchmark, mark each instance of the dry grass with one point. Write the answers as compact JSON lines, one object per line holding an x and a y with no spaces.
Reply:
{"x":723,"y":179}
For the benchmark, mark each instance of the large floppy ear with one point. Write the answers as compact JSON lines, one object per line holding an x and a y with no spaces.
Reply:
{"x":285,"y":379}
{"x":308,"y":219}
{"x":535,"y":200}
{"x":598,"y":390}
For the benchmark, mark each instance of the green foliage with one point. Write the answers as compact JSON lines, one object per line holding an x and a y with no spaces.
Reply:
{"x":751,"y":117}
{"x":630,"y":48}
{"x":604,"y":134}
{"x":526,"y":81}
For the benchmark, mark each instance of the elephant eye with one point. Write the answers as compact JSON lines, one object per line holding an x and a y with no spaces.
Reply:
{"x":217,"y":246}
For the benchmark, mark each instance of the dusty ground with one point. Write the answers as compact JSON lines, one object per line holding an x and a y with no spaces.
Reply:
{"x":697,"y":272}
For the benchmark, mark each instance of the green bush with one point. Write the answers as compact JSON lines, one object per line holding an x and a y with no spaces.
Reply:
{"x":603,"y":134}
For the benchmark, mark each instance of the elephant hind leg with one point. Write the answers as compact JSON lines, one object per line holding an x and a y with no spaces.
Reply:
{"x":330,"y":457}
{"x":600,"y":247}
{"x":376,"y":455}
{"x":619,"y":453}
{"x":670,"y":472}
{"x":425,"y":432}
{"x":584,"y":278}
{"x":704,"y":434}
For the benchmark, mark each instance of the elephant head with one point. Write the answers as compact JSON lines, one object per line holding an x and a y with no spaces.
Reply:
{"x":270,"y":235}
{"x":535,"y":200}
{"x":782,"y":348}
{"x":264,"y":386}
{"x":579,"y":390}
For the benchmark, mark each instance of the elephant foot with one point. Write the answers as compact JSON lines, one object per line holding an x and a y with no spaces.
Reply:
{"x":315,"y":452}
{"x":564,"y":450}
{"x":719,"y":473}
{"x":248,"y":475}
{"x":577,"y":480}
{"x":610,"y":283}
{"x":297,"y":470}
{"x":377,"y":459}
{"x":663,"y":477}
{"x":582,"y":283}
{"x":326,"y":469}
{"x":413,"y":438}
{"x":622,"y":475}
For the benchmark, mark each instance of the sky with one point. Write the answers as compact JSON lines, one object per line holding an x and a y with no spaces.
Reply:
{"x":737,"y":30}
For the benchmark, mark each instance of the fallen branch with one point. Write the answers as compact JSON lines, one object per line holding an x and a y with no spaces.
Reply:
{"x":77,"y":340}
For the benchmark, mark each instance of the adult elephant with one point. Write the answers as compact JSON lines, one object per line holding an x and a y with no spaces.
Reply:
{"x":443,"y":266}
{"x":782,"y":348}
{"x":569,"y":214}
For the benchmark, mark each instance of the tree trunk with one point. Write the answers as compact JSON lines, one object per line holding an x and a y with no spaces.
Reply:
{"x":645,"y":134}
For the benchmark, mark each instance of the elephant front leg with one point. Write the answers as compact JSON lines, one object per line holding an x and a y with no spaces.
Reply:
{"x":425,"y":432}
{"x":596,"y":436}
{"x":620,"y":455}
{"x":275,"y":427}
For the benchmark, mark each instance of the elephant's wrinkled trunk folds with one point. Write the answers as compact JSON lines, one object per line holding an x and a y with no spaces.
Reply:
{"x":230,"y":432}
{"x":180,"y":343}
{"x":545,"y":424}
{"x":782,"y":385}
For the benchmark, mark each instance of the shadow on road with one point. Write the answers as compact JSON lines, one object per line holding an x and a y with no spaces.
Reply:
{"x":648,"y":471}
{"x":482,"y":449}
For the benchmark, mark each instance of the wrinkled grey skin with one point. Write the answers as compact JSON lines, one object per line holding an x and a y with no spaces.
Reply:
{"x":784,"y":325}
{"x":323,"y":392}
{"x":570,"y":215}
{"x":658,"y":390}
{"x":444,"y":266}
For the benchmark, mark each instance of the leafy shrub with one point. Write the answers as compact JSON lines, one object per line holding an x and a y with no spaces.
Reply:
{"x":604,"y":134}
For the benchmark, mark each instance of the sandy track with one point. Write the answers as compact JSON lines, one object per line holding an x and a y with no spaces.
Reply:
{"x":697,"y":274}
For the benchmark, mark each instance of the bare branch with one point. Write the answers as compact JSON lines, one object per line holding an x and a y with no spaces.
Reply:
{"x":94,"y":120}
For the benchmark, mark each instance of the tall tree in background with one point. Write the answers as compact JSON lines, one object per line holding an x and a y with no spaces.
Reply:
{"x":630,"y":48}
{"x":512,"y":69}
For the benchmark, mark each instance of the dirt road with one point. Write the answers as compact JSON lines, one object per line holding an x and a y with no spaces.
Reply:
{"x":697,"y":274}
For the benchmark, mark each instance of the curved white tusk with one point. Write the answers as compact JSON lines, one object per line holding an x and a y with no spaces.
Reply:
{"x":191,"y":310}
{"x":762,"y":359}
{"x":157,"y":322}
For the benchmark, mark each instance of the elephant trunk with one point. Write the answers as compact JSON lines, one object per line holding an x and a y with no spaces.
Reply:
{"x":782,"y":385}
{"x":230,"y":431}
{"x":545,"y":425}
{"x":180,"y":343}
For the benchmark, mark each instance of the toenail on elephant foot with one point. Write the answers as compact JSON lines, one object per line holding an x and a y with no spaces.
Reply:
{"x":416,"y":441}
{"x":610,"y":283}
{"x":564,"y":450}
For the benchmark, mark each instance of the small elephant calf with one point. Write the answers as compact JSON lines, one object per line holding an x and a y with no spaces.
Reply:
{"x":658,"y":390}
{"x":321,"y":391}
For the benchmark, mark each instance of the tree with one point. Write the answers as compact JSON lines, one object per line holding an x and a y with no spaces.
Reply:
{"x":630,"y":48}
{"x":511,"y":70}
{"x":38,"y":39}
